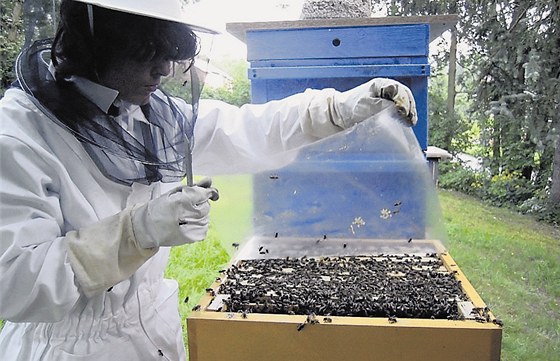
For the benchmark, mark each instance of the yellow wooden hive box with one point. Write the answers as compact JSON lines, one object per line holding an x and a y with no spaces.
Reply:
{"x":214,"y":333}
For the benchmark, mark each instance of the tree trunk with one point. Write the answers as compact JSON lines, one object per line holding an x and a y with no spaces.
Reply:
{"x":16,"y":16}
{"x":555,"y":189}
{"x":451,"y":91}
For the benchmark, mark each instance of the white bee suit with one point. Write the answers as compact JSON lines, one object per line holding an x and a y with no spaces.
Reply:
{"x":51,"y":188}
{"x":59,"y":215}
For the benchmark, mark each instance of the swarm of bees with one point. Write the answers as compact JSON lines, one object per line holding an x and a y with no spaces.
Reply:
{"x":390,"y":286}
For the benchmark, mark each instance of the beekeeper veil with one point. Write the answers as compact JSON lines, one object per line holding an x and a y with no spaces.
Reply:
{"x":130,"y":141}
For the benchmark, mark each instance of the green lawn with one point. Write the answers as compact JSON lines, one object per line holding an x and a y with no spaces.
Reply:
{"x":512,"y":261}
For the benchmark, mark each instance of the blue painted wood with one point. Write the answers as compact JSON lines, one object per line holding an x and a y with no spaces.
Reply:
{"x":345,"y":42}
{"x":352,"y":71}
{"x":402,"y":60}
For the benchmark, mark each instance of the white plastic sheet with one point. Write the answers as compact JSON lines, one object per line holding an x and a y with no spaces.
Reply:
{"x":366,"y":190}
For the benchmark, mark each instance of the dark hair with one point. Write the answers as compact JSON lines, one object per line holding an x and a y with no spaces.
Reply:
{"x":116,"y":35}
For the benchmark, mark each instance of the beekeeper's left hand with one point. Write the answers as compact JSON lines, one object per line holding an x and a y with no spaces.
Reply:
{"x":358,"y":104}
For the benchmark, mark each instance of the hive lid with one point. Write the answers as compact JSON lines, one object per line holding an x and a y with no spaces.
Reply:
{"x":438,"y":24}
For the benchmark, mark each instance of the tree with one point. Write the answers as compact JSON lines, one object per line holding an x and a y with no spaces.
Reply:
{"x":519,"y":84}
{"x":238,"y":92}
{"x":555,"y":188}
{"x":320,"y":9}
{"x":22,"y":22}
{"x":11,"y":23}
{"x":515,"y":46}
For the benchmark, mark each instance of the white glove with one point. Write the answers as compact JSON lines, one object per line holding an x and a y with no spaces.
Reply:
{"x":112,"y":249}
{"x":179,"y":216}
{"x":360,"y":103}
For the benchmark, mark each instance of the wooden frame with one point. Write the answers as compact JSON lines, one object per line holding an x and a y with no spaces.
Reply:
{"x":238,"y":337}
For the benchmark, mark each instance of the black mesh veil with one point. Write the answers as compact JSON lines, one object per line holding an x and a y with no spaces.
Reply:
{"x":142,"y":144}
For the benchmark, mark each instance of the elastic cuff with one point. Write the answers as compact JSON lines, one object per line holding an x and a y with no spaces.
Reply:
{"x":106,"y":253}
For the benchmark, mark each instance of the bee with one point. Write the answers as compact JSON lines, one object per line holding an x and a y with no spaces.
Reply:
{"x":312,"y":319}
{"x":273,"y":176}
{"x":392,"y":319}
{"x":235,"y":245}
{"x":186,"y":299}
{"x":301,"y":326}
{"x":327,"y":320}
{"x":498,"y":322}
{"x":196,"y":308}
{"x":480,"y":319}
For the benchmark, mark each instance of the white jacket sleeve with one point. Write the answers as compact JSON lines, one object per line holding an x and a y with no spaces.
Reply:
{"x":230,"y":139}
{"x":40,"y":280}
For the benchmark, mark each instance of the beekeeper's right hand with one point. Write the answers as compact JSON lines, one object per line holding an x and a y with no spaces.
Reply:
{"x":175,"y":218}
{"x":111,"y":250}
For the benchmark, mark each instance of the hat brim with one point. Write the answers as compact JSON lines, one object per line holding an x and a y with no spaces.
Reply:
{"x":152,"y":10}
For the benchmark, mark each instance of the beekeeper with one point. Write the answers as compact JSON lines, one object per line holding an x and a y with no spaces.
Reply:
{"x":92,"y":158}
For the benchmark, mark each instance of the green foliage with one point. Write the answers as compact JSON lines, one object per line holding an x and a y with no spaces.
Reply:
{"x":453,"y":133}
{"x":518,"y":89}
{"x":457,"y":177}
{"x":542,"y":208}
{"x":507,"y":189}
{"x":8,"y":54}
{"x":509,"y":80}
{"x":22,"y":22}
{"x":11,"y":39}
{"x":237,"y":92}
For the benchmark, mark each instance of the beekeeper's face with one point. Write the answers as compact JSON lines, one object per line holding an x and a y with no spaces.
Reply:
{"x":135,"y":80}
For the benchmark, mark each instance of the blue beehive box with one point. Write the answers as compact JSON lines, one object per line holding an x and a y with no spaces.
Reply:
{"x":320,"y":193}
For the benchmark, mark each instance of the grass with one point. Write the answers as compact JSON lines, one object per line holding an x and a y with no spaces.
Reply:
{"x":195,"y":266}
{"x":512,"y":261}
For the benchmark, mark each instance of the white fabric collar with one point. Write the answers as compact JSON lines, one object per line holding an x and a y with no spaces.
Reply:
{"x":98,"y":94}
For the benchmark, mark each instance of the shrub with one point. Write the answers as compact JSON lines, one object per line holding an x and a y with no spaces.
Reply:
{"x":508,"y":189}
{"x":456,"y":177}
